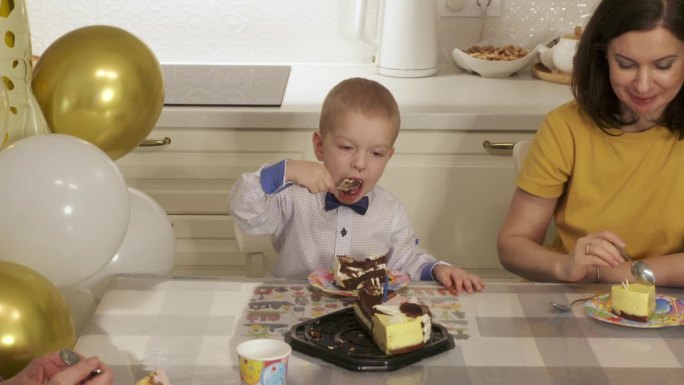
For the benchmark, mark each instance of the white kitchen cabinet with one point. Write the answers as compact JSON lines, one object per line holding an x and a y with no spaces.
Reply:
{"x":456,"y":191}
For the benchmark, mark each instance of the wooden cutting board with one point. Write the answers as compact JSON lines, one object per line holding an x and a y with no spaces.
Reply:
{"x":543,"y":73}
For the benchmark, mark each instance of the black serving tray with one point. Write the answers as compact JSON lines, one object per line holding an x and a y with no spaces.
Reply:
{"x":339,"y":339}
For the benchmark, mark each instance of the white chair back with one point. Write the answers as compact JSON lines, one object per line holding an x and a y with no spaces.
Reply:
{"x":520,"y":150}
{"x":255,"y":248}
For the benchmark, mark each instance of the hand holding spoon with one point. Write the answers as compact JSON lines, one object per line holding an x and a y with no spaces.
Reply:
{"x":69,"y":357}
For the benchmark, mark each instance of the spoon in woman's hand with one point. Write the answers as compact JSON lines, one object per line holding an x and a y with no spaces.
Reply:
{"x":640,"y":270}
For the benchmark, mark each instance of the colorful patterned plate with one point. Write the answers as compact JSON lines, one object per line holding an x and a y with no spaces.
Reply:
{"x":669,"y":312}
{"x":324,"y":280}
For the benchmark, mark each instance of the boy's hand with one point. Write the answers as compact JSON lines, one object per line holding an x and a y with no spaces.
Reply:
{"x":457,"y":279}
{"x":312,"y":175}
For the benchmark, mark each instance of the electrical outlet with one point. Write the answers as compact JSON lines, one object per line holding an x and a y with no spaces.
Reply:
{"x":467,"y":8}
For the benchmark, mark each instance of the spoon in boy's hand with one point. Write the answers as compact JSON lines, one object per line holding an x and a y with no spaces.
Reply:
{"x":348,"y":184}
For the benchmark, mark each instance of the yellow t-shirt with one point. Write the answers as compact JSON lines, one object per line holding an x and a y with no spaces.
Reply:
{"x":631,"y":184}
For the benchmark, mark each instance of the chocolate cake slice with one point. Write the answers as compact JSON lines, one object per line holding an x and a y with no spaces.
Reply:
{"x":350,"y":273}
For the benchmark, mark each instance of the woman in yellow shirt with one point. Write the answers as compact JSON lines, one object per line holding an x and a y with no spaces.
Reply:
{"x":609,"y":166}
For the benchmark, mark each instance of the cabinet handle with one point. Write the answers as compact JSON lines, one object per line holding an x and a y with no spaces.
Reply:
{"x":498,"y":145}
{"x":155,"y":142}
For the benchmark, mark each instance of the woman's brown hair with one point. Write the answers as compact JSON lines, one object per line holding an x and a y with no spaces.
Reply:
{"x":591,"y":78}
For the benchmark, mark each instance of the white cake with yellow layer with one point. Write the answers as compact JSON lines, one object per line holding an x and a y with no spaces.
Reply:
{"x":396,"y":325}
{"x":401,"y":328}
{"x":633,"y":301}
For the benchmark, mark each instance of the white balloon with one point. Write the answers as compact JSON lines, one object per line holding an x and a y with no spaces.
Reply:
{"x":149,"y":246}
{"x":64,"y":207}
{"x":82,"y":304}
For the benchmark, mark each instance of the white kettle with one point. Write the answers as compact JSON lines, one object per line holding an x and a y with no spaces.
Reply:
{"x":560,"y":57}
{"x":405,"y":37}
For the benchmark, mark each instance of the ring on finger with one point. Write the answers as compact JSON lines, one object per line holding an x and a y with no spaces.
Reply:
{"x":586,"y":249}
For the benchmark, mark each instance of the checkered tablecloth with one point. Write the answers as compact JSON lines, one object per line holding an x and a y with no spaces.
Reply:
{"x":508,"y":334}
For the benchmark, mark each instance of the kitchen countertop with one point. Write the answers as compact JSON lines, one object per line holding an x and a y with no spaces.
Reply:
{"x":450,"y":100}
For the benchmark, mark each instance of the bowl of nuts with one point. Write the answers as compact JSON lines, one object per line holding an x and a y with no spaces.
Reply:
{"x":494,"y":61}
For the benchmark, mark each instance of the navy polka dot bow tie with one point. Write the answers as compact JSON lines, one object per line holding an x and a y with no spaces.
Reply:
{"x":331,"y":203}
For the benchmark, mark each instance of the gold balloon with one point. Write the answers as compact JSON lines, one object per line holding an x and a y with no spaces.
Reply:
{"x":34,"y":318}
{"x":101,"y":84}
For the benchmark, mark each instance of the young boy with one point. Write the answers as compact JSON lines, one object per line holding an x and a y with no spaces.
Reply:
{"x":311,"y":221}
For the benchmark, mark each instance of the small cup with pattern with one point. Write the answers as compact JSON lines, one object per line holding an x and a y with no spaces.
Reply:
{"x":263,"y":361}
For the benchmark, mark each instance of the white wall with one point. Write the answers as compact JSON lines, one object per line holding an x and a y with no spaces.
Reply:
{"x":282,"y":31}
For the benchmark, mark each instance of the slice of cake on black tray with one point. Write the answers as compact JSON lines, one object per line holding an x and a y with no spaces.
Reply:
{"x":350,"y":273}
{"x":397,"y":325}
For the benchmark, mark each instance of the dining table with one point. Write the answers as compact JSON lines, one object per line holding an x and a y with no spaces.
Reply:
{"x":506,"y":334}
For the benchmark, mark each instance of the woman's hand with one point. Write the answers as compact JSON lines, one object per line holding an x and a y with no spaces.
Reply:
{"x":593,"y":251}
{"x":599,"y":249}
{"x":49,"y":369}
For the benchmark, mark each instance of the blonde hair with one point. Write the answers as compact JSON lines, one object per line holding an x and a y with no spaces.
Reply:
{"x":360,"y":95}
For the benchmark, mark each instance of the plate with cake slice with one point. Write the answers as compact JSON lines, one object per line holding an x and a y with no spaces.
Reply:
{"x":636,"y":305}
{"x":340,"y":339}
{"x":383,"y":330}
{"x":324,"y":279}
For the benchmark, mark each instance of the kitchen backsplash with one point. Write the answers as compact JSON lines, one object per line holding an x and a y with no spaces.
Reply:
{"x":284,"y":31}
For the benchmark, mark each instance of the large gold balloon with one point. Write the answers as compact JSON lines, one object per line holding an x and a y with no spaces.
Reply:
{"x":101,"y":84}
{"x":34,"y":318}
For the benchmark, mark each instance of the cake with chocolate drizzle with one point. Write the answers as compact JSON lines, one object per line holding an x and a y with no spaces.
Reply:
{"x":396,"y":324}
{"x":350,"y":273}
